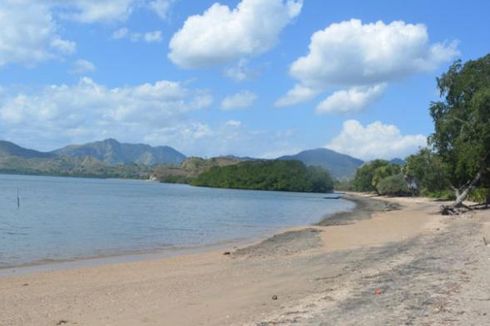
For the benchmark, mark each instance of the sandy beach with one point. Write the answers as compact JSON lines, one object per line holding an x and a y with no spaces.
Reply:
{"x":391,"y":262}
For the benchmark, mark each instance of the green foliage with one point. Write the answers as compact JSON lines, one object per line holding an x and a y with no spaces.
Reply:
{"x":480,"y":195}
{"x":370,"y":174}
{"x":445,"y":195}
{"x":462,"y":121}
{"x":393,"y":185}
{"x":382,"y":173}
{"x":267,"y":175}
{"x":427,"y":171}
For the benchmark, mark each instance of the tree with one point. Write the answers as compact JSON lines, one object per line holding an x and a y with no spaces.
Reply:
{"x":426,"y":172}
{"x":393,"y":185}
{"x":382,"y":173}
{"x":363,"y":180}
{"x":370,"y":174}
{"x":462,"y":126}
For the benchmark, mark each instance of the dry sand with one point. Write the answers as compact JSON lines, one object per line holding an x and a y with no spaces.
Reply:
{"x":408,"y":266}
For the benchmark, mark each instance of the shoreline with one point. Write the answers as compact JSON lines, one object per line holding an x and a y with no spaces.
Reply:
{"x":48,"y":265}
{"x":365,"y":207}
{"x":399,"y":266}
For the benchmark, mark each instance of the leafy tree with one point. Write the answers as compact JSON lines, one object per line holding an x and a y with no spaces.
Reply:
{"x":363,"y":180}
{"x":462,"y":125}
{"x":383,"y":172}
{"x":426,"y":172}
{"x":393,"y":185}
{"x":370,"y":174}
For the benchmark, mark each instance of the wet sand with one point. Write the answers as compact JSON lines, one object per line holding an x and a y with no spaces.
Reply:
{"x":387,"y":267}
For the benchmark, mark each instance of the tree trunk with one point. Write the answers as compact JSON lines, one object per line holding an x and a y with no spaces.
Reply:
{"x":461,"y":196}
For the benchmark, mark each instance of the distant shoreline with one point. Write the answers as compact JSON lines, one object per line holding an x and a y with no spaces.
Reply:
{"x":365,"y":207}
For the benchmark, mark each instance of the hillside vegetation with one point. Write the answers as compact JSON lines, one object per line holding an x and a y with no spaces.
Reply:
{"x":267,"y":175}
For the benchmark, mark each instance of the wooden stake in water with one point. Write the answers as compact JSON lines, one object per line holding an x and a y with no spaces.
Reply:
{"x":18,"y":198}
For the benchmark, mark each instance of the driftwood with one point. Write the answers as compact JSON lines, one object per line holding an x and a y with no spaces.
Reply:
{"x":458,"y":207}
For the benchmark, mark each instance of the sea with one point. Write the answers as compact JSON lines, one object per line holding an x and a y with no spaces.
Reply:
{"x":54,"y":219}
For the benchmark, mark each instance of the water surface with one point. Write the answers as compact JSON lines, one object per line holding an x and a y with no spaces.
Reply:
{"x":71,"y":218}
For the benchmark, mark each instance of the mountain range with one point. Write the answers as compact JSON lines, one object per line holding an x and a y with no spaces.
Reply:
{"x":112,"y":152}
{"x":113,"y":157}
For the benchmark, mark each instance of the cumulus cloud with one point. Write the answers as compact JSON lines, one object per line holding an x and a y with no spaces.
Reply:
{"x":351,"y":100}
{"x":28,"y":34}
{"x":239,"y":100}
{"x":375,"y":140}
{"x":87,"y":111}
{"x":82,"y":66}
{"x":221,"y":35}
{"x":354,"y":54}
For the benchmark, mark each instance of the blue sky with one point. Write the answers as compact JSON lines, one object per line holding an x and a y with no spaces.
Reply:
{"x":234,"y":77}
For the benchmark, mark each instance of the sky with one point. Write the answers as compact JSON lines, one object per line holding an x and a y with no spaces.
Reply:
{"x":260,"y":78}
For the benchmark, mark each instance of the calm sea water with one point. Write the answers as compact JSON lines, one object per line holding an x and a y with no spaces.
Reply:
{"x":71,"y":218}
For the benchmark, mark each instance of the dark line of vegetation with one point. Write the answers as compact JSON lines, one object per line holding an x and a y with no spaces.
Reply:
{"x":267,"y":175}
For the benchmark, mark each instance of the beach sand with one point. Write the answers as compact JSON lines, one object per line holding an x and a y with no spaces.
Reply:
{"x":392,"y":262}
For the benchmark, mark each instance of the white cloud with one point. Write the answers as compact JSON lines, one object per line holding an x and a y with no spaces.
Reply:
{"x":28,"y":34}
{"x":351,"y":100}
{"x":161,"y":7}
{"x":63,"y":46}
{"x":239,"y":100}
{"x":88,"y":111}
{"x":375,"y":140}
{"x":82,"y":66}
{"x":221,"y":35}
{"x":106,"y":11}
{"x":352,"y":54}
{"x":148,"y":37}
{"x":296,"y":95}
{"x":152,"y":37}
{"x":95,"y":11}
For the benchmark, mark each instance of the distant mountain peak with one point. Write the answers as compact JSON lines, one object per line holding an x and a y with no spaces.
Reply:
{"x":339,"y":165}
{"x":111,"y":151}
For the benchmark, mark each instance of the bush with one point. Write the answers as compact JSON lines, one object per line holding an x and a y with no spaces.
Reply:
{"x":394,"y":185}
